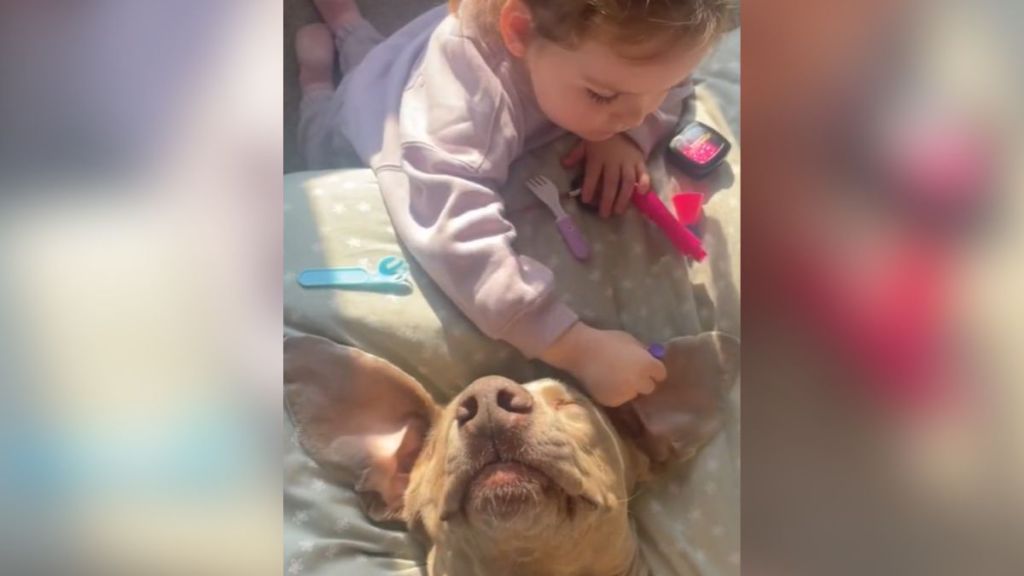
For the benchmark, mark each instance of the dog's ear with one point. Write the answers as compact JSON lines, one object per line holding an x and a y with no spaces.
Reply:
{"x":686,"y":409}
{"x":359,"y":417}
{"x":638,"y":463}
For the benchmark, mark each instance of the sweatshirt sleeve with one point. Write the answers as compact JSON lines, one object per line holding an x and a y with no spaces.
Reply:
{"x":659,"y":124}
{"x":458,"y":141}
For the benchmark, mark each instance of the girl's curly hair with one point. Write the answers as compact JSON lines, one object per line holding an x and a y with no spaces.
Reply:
{"x":621,"y":22}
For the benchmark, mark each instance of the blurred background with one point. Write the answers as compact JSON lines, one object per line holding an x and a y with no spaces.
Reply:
{"x":140,"y":236}
{"x":140,"y":295}
{"x":883,"y":424}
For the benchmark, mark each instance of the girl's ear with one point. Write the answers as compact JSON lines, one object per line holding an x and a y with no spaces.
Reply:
{"x":515,"y":25}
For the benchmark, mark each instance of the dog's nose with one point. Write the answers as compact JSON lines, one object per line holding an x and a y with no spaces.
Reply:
{"x":497,"y":398}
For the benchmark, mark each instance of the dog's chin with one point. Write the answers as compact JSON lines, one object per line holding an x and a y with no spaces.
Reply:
{"x":505,"y":491}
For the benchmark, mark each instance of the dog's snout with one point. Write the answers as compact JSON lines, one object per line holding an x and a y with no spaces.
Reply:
{"x":467,"y":409}
{"x":495,"y":399}
{"x":515,"y":399}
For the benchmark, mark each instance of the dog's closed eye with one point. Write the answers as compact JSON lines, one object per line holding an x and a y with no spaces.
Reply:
{"x":565,"y":403}
{"x":558,"y":399}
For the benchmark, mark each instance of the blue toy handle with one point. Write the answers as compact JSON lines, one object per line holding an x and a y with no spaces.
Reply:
{"x":390,"y":277}
{"x":335,"y":277}
{"x":394,"y":267}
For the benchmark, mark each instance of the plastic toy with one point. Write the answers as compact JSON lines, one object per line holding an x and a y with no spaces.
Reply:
{"x":698,"y":149}
{"x":546,"y":190}
{"x":391,"y":277}
{"x":685,"y":241}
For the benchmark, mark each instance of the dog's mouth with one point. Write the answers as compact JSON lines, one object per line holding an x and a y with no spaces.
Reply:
{"x":508,"y":476}
{"x":506,"y":488}
{"x":503,"y":489}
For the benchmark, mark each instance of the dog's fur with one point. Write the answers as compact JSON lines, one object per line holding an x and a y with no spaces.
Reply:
{"x":507,"y":478}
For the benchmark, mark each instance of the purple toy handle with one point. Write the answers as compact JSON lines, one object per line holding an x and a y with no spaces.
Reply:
{"x":573,"y":238}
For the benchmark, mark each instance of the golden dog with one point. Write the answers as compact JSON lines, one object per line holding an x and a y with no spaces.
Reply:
{"x":507,"y":478}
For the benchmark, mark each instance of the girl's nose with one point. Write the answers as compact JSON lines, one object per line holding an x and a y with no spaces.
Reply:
{"x":631,"y":117}
{"x":643,"y":106}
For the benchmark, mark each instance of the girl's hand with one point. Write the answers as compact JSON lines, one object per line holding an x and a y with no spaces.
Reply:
{"x":612,"y":366}
{"x":614,"y":166}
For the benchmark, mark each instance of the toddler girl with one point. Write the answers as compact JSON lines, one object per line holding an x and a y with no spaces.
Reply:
{"x":442,"y":108}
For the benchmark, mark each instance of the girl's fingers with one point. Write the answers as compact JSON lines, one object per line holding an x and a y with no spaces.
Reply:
{"x":575,"y":156}
{"x":658,"y":371}
{"x":612,"y":177}
{"x":643,"y":179}
{"x":591,"y":176}
{"x":625,"y":190}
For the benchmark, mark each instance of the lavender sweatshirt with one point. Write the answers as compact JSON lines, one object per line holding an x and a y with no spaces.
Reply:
{"x":440,"y":115}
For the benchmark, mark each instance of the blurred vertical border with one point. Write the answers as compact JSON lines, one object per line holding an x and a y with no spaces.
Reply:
{"x":140,"y":238}
{"x":883,"y":268}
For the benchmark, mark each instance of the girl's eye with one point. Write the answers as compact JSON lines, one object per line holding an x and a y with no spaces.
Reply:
{"x":600,"y":99}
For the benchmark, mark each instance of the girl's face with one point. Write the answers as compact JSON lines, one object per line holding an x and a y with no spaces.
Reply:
{"x":595,"y":93}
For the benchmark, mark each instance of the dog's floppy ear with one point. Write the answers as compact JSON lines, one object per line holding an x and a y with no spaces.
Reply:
{"x":359,"y":417}
{"x":685,"y":410}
